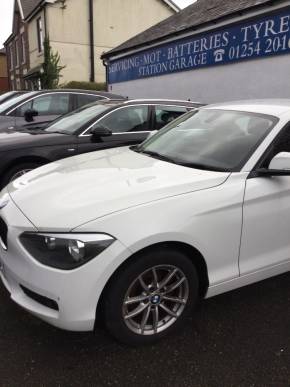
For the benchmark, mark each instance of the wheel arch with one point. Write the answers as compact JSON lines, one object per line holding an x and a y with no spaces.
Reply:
{"x":18,"y":161}
{"x":190,"y":251}
{"x":24,"y":159}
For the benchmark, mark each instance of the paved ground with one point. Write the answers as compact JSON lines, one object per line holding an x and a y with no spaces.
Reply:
{"x":241,"y":338}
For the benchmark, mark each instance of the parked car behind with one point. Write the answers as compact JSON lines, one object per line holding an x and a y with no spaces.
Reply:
{"x":136,"y":236}
{"x":97,"y":126}
{"x":10,"y":94}
{"x":38,"y":108}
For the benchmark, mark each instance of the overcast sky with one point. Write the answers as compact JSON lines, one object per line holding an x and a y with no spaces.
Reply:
{"x":6,"y":10}
{"x":183,"y":3}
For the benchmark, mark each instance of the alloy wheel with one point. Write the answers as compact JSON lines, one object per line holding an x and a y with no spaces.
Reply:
{"x":155,"y":300}
{"x":20,"y":173}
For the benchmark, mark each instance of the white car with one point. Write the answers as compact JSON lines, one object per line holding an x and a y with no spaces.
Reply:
{"x":137,"y":235}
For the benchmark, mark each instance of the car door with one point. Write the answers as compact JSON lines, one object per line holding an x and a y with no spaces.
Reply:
{"x":129,"y":125}
{"x":266,"y":215}
{"x":48,"y":106}
{"x":7,"y":123}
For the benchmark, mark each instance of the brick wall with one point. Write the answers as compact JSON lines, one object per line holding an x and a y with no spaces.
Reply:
{"x":17,"y":69}
{"x":4,"y":84}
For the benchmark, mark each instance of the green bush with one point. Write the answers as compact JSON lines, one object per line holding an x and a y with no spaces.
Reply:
{"x":85,"y":85}
{"x":50,"y":75}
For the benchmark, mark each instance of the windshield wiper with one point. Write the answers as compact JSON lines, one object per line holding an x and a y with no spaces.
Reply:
{"x":54,"y":131}
{"x":156,"y":155}
{"x":204,"y":167}
{"x":159,"y":156}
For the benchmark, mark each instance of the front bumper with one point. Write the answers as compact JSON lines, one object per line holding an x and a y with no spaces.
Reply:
{"x":75,"y":293}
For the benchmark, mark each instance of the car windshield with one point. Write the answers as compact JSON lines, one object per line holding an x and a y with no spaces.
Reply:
{"x":13,"y":101}
{"x":210,"y":139}
{"x":71,"y":123}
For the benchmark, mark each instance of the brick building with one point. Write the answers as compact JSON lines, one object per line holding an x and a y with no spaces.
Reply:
{"x":17,"y":50}
{"x":4,"y":85}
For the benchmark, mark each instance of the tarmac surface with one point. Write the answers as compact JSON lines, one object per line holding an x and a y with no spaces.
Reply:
{"x":241,"y":338}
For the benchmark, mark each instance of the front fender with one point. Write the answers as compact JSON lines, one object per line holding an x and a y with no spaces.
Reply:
{"x":209,"y":220}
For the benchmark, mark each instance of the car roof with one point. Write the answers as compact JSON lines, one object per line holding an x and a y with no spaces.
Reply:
{"x":274,"y":107}
{"x":167,"y":102}
{"x":18,"y":91}
{"x":172,"y":102}
{"x":81,"y":91}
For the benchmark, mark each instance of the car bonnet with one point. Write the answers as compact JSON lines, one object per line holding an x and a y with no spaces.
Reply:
{"x":65,"y":194}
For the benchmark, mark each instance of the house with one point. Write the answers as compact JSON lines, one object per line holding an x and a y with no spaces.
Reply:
{"x":4,"y":85}
{"x":79,"y":30}
{"x":17,"y":50}
{"x":211,"y":51}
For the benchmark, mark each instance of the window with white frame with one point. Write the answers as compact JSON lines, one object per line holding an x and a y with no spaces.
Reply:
{"x":16,"y":53}
{"x":39,"y":34}
{"x":11,"y":56}
{"x":22,"y":45}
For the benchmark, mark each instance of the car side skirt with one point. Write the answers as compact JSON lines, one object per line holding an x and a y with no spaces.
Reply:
{"x":248,"y":279}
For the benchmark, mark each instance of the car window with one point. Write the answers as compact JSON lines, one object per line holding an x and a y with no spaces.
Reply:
{"x":73,"y":122}
{"x":6,"y":106}
{"x":281,"y":145}
{"x":166,"y":114}
{"x":19,"y":112}
{"x":46,"y":105}
{"x":42,"y":104}
{"x":85,"y":99}
{"x":129,"y":119}
{"x":52,"y":104}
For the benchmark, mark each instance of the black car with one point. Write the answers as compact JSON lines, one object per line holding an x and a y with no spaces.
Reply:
{"x":10,"y":94}
{"x":38,"y":108}
{"x":97,"y":126}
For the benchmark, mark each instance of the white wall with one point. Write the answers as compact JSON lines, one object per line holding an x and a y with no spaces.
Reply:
{"x":35,"y":57}
{"x":118,"y":20}
{"x":68,"y":31}
{"x":115,"y":21}
{"x":261,"y":78}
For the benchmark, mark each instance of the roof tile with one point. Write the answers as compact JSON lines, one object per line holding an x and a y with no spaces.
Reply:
{"x":29,"y":6}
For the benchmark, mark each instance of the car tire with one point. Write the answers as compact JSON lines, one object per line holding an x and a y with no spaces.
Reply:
{"x":17,"y":171}
{"x":163,"y":309}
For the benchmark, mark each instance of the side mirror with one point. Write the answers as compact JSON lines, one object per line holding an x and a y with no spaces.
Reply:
{"x":101,"y":131}
{"x":281,"y":161}
{"x":279,"y":166}
{"x":29,"y":114}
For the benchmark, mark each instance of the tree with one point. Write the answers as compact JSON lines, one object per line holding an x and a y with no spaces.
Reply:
{"x":51,"y":69}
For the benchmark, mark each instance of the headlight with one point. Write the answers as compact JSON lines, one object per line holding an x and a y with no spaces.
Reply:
{"x":65,"y":251}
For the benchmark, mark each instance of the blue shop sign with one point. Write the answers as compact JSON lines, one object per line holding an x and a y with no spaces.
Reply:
{"x":263,"y":37}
